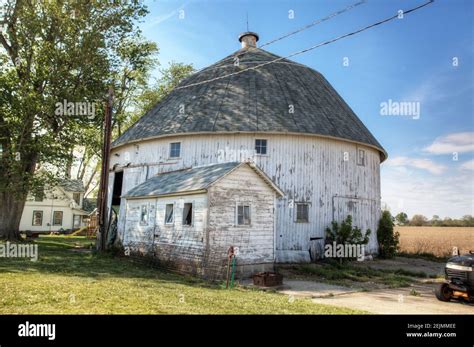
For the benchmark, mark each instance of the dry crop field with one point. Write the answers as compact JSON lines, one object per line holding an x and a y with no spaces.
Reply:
{"x":438,"y":241}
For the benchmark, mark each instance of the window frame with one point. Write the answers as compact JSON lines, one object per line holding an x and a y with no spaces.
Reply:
{"x":54,"y":218}
{"x":78,"y":216}
{"x":307,"y":204}
{"x":173,"y":214}
{"x":259,"y":147}
{"x":237,"y":214}
{"x":170,"y":152}
{"x":361,"y":160}
{"x":184,"y":217}
{"x":147,"y":219}
{"x":73,"y":198}
{"x":33,"y":220}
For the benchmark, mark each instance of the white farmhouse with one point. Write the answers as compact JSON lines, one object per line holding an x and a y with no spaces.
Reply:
{"x":55,"y":208}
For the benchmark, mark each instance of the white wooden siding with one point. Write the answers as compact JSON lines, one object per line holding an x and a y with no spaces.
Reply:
{"x":306,"y":168}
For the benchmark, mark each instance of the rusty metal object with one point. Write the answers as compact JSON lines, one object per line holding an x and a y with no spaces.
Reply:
{"x":267,"y":279}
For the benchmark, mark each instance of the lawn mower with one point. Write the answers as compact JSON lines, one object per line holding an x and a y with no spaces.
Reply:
{"x":459,"y":279}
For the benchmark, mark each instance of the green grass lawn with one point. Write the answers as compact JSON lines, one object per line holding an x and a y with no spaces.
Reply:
{"x":68,"y":279}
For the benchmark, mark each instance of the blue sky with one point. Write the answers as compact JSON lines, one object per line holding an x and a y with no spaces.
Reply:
{"x":407,"y":60}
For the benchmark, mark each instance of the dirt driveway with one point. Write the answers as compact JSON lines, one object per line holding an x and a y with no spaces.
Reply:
{"x":417,"y":298}
{"x":398,"y":301}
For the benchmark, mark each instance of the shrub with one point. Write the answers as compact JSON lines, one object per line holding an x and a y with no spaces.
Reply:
{"x":387,"y":238}
{"x":345,"y":233}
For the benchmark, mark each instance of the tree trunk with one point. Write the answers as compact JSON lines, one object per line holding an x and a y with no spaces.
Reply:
{"x":11,"y":210}
{"x":69,"y":164}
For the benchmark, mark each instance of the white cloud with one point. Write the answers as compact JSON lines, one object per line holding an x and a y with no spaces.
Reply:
{"x":456,"y":142}
{"x":164,"y":17}
{"x":424,"y":164}
{"x":413,"y":192}
{"x":468,"y":165}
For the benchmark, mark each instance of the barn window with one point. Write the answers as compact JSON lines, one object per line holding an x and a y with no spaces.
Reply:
{"x":58,"y":218}
{"x":243,"y":215}
{"x":175,"y":149}
{"x":360,"y":157}
{"x":188,"y":214}
{"x":144,"y":215}
{"x":302,"y":213}
{"x":37,"y":218}
{"x":261,"y":146}
{"x":169,"y":215}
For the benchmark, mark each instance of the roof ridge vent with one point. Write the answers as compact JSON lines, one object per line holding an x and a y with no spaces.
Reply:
{"x":248,"y":39}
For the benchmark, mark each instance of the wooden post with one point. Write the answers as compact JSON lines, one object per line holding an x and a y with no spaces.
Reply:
{"x":104,"y":174}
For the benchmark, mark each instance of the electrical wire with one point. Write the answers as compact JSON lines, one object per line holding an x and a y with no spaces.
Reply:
{"x":312,"y":47}
{"x":316,"y":22}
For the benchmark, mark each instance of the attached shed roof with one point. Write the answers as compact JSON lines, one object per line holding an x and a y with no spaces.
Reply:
{"x":255,"y":100}
{"x":190,"y":180}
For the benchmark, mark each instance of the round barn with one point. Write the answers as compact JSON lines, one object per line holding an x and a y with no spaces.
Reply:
{"x":284,"y":118}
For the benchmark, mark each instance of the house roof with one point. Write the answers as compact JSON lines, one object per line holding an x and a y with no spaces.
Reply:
{"x":71,"y":185}
{"x":190,"y":180}
{"x":257,"y":100}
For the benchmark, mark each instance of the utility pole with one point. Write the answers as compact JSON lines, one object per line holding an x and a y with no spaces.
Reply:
{"x":104,"y":174}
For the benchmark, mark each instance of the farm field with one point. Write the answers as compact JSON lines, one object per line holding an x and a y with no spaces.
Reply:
{"x":438,"y":241}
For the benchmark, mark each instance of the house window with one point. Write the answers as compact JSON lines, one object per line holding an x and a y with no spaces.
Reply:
{"x":302,"y":212}
{"x":360,"y":157}
{"x":175,"y":150}
{"x":58,"y":218}
{"x":169,"y":215}
{"x":261,"y":146}
{"x":37,"y":218}
{"x":76,"y":221}
{"x":39,"y":194}
{"x":188,"y":214}
{"x":144,"y":215}
{"x":77,"y":198}
{"x":243,"y":215}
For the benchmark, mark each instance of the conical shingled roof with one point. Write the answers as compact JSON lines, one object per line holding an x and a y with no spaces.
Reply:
{"x":255,"y":100}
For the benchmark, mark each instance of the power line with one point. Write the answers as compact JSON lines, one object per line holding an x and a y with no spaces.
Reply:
{"x":313,"y":47}
{"x":316,"y":22}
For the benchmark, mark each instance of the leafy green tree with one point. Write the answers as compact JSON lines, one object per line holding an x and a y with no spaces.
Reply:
{"x":51,"y":51}
{"x":401,"y":218}
{"x":388,"y":239}
{"x":170,"y":78}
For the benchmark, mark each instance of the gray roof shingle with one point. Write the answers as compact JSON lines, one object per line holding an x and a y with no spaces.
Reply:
{"x":187,"y":180}
{"x":253,"y":101}
{"x":72,"y":185}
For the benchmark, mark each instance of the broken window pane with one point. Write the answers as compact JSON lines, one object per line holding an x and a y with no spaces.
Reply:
{"x":144,"y":214}
{"x":302,"y":212}
{"x":169,"y":214}
{"x":188,"y":214}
